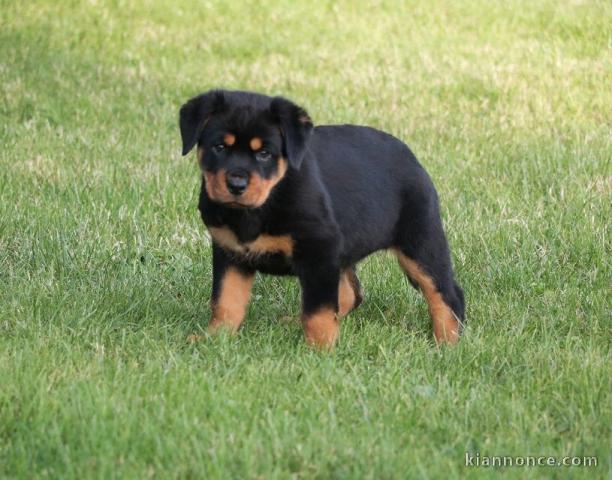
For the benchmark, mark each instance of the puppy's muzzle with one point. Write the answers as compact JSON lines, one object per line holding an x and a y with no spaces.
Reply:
{"x":237,"y":181}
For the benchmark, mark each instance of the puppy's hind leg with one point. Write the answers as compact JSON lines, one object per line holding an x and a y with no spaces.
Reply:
{"x":424,"y":256}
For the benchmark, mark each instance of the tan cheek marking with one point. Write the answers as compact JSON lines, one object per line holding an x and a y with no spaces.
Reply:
{"x":259,"y":188}
{"x":281,"y":170}
{"x":445,"y":324}
{"x":209,"y":183}
{"x":346,"y":295}
{"x":216,"y":187}
{"x":321,"y":328}
{"x":229,"y":309}
{"x":255,"y":143}
{"x":261,"y":245}
{"x":229,"y":139}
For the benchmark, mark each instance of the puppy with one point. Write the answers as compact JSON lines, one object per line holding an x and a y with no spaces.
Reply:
{"x":282,"y":197}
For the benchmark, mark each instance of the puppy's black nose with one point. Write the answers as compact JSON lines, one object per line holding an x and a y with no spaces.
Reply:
{"x":237,"y":181}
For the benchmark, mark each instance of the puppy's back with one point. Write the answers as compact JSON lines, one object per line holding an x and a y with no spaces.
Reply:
{"x":369,"y":175}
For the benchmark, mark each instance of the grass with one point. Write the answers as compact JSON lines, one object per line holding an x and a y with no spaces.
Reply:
{"x":105,"y":265}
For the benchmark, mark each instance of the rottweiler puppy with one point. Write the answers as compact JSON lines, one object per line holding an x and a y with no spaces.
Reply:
{"x":283,"y":197}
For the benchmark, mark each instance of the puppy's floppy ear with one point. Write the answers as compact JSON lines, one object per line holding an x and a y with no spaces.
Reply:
{"x":194,"y":115}
{"x":296,"y":128}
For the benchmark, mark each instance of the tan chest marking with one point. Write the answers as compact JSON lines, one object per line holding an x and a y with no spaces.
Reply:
{"x":264,"y":244}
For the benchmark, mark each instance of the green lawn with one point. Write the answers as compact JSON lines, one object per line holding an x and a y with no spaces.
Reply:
{"x":105,"y":264}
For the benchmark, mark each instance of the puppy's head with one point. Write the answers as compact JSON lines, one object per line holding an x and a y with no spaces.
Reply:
{"x":246,"y":142}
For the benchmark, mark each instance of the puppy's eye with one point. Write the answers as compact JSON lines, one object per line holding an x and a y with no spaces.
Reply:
{"x":263,"y":156}
{"x":218,"y":148}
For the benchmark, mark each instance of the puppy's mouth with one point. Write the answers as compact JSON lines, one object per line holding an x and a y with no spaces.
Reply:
{"x":238,"y":205}
{"x":239,"y":202}
{"x":251,"y":197}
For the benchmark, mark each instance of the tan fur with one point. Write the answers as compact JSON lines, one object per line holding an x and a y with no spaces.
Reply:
{"x":230,"y":307}
{"x":254,"y":196}
{"x":216,"y":187}
{"x":261,"y":245}
{"x":255,"y":143}
{"x":445,"y":323}
{"x":259,"y":188}
{"x":346,"y":295}
{"x":229,"y":139}
{"x":321,"y":328}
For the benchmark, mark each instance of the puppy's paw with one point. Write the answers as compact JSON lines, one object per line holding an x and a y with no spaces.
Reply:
{"x":321,"y":329}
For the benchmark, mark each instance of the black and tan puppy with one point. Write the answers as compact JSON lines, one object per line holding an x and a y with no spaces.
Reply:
{"x":280,"y":196}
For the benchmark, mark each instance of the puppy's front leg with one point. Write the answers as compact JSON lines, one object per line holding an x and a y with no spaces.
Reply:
{"x":230,"y":293}
{"x":319,"y":282}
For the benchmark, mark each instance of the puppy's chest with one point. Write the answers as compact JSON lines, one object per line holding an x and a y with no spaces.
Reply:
{"x":260,"y":246}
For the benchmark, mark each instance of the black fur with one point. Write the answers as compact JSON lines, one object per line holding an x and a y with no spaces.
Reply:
{"x":348,"y":192}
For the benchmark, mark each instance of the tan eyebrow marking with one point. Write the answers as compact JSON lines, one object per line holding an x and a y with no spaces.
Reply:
{"x":229,"y":139}
{"x":256,"y":143}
